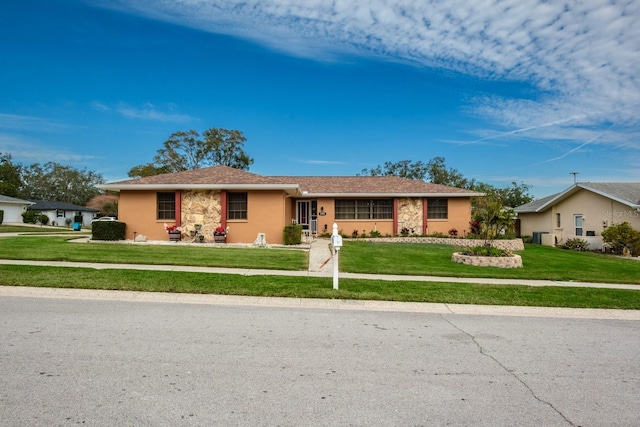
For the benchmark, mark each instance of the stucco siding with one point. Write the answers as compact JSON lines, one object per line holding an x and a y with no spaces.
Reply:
{"x":265,"y":213}
{"x":459,"y":215}
{"x":530,"y":223}
{"x":137,"y":209}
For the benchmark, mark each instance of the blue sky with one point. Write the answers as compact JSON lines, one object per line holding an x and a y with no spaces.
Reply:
{"x":513,"y":90}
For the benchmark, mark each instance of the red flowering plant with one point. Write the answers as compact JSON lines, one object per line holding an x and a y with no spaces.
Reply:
{"x":172,"y":228}
{"x":220,"y":231}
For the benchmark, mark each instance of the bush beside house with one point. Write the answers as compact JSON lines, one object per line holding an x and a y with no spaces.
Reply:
{"x":108,"y":230}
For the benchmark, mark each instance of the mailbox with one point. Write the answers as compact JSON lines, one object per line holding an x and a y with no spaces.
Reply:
{"x":336,"y":241}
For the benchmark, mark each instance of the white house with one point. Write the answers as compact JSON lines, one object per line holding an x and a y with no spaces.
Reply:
{"x":583,"y":210}
{"x":61,"y":213}
{"x":13,"y":208}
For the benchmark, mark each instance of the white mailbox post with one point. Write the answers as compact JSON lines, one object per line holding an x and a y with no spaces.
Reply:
{"x":336,"y":244}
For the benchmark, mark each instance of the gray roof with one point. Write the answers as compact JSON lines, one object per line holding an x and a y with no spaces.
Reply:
{"x":46,"y":205}
{"x":535,"y":205}
{"x":14,"y":201}
{"x":627,"y":193}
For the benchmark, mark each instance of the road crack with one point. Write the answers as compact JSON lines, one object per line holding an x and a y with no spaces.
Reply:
{"x":510,"y":372}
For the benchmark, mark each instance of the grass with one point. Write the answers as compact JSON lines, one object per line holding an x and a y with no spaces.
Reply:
{"x":307,"y":287}
{"x":367,"y":257}
{"x":60,"y":249}
{"x":36,"y":229}
{"x":539,"y":263}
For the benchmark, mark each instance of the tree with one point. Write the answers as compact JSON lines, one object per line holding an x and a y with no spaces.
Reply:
{"x":107,"y":204}
{"x":9,"y":176}
{"x":53,"y":181}
{"x":187,"y":151}
{"x":149,"y":169}
{"x":493,"y":217}
{"x":438,"y":173}
{"x":434,"y":171}
{"x":403,"y":169}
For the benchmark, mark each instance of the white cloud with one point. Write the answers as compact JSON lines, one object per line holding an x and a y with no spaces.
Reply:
{"x":27,"y":151}
{"x":30,"y":123}
{"x":147,"y":112}
{"x":584,"y":56}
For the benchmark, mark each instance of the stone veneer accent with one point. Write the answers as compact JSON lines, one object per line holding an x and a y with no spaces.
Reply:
{"x":513,"y":261}
{"x":204,"y":208}
{"x":510,"y":245}
{"x":410,"y":214}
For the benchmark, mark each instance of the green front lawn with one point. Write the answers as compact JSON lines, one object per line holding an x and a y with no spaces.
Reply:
{"x":308,"y":287}
{"x":366,"y":257}
{"x":539,"y":262}
{"x":61,"y":249}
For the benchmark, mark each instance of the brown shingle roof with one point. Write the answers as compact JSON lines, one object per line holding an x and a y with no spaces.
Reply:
{"x":227,"y":177}
{"x":370,"y":185}
{"x":211,"y":175}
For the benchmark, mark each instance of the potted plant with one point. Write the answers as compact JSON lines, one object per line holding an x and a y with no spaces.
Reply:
{"x":220,"y":234}
{"x":174,"y":232}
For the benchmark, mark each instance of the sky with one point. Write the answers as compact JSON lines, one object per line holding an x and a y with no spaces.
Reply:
{"x":505,"y":91}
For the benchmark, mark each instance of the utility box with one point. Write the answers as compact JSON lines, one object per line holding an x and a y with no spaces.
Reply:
{"x":536,"y":237}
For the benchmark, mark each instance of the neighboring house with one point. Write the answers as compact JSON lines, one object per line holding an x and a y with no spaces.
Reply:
{"x":13,"y":208}
{"x":583,"y":210}
{"x":61,"y":213}
{"x":250,"y":204}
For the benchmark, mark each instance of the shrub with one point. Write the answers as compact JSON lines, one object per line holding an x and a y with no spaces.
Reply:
{"x":453,"y":232}
{"x":108,"y":230}
{"x":292,"y":234}
{"x":1,"y":216}
{"x":576,"y":244}
{"x":31,"y":217}
{"x":375,"y":233}
{"x":486,"y":250}
{"x":619,"y":236}
{"x":406,"y":231}
{"x":438,"y":234}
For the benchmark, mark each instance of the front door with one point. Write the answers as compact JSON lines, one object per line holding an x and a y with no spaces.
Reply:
{"x":306,"y":215}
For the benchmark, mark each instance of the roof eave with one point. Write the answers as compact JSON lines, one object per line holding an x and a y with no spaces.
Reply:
{"x":449,"y":195}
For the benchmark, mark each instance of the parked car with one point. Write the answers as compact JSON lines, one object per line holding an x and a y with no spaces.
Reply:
{"x":105,"y":218}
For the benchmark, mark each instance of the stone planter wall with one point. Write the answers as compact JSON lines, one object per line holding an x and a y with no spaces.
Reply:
{"x":513,"y":261}
{"x":511,"y":245}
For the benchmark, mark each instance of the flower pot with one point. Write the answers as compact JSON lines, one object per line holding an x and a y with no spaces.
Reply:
{"x":219,"y":238}
{"x":175,"y":236}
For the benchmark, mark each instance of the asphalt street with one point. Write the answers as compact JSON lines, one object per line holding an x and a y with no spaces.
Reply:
{"x":125,"y":359}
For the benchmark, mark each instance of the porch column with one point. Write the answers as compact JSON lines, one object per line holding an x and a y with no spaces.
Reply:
{"x":425,"y":207}
{"x":179,"y":208}
{"x":395,"y":216}
{"x":223,"y":208}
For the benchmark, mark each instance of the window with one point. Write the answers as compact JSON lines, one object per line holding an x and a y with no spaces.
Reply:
{"x":167,"y":205}
{"x":558,"y":222}
{"x":437,"y":209}
{"x":236,"y":205}
{"x":59,"y":213}
{"x":364,"y":209}
{"x":578,"y":222}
